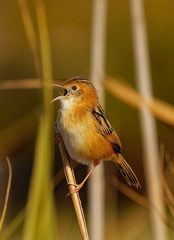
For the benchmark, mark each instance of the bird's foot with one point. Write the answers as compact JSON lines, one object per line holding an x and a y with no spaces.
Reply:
{"x":76,"y":189}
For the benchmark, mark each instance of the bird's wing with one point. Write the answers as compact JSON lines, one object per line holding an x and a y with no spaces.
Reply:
{"x":105,"y":129}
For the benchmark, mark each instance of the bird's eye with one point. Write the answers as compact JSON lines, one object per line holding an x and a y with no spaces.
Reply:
{"x":74,"y":88}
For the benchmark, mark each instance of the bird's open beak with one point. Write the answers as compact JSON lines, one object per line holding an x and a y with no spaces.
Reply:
{"x":59,"y":97}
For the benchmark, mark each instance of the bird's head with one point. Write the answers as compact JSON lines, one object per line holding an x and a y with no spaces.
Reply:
{"x":77,"y":90}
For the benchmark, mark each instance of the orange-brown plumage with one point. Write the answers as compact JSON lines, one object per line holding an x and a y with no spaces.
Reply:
{"x":85,"y":130}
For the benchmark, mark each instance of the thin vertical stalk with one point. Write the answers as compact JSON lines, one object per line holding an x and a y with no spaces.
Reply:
{"x":97,"y":74}
{"x":40,"y":218}
{"x":148,"y":124}
{"x":45,"y":53}
{"x":69,"y":173}
{"x":31,"y":35}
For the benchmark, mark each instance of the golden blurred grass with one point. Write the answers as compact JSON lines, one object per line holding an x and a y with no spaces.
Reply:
{"x":43,"y":159}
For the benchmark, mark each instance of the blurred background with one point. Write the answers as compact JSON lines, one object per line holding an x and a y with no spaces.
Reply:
{"x":69,"y":26}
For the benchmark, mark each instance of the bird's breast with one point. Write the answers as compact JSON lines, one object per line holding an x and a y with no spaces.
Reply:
{"x":73,"y":129}
{"x":83,"y":143}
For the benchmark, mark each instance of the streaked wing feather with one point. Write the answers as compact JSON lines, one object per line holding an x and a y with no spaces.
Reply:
{"x":105,"y":129}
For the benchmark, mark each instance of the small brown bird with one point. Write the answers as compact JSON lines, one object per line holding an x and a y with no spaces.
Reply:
{"x":86,"y":132}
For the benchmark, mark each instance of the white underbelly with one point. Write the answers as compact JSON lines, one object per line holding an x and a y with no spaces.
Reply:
{"x":74,"y":140}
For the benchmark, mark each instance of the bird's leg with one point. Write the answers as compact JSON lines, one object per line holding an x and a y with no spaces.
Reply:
{"x":57,"y":138}
{"x":79,"y":186}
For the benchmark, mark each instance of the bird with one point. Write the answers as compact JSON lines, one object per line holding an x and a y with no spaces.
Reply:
{"x":85,"y":130}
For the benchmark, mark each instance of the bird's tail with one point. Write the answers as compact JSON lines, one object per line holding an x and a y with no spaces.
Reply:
{"x":127,"y":171}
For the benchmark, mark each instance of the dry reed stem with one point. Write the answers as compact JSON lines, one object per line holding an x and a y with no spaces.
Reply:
{"x":59,"y":176}
{"x":31,"y":83}
{"x":147,"y":121}
{"x":21,"y":84}
{"x":142,"y":201}
{"x":162,"y":110}
{"x":7,"y":193}
{"x":96,"y":187}
{"x":69,"y":174}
